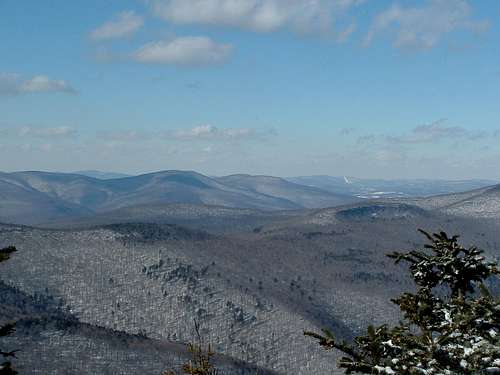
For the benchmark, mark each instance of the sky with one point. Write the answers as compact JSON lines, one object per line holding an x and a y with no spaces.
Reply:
{"x":365,"y":88}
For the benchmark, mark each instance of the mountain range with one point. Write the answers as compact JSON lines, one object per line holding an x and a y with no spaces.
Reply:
{"x":117,"y":270}
{"x":100,"y":174}
{"x":35,"y":198}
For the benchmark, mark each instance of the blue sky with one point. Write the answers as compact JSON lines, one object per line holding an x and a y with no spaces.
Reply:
{"x":392,"y":89}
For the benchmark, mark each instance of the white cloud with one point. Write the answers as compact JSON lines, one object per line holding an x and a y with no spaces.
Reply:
{"x":303,"y":16}
{"x":190,"y":50}
{"x":55,"y":132}
{"x":197,"y":133}
{"x":12,"y":84}
{"x":213,"y":133}
{"x":27,"y":133}
{"x":45,"y":84}
{"x":123,"y":24}
{"x":202,"y":131}
{"x":126,"y":136}
{"x":423,"y":27}
{"x":344,"y":35}
{"x":435,"y":132}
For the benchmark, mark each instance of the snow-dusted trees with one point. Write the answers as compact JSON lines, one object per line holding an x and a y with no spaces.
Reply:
{"x":451,"y":324}
{"x":7,"y":329}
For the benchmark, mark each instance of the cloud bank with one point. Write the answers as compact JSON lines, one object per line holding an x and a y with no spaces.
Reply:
{"x":123,"y":24}
{"x":197,"y":133}
{"x":188,"y":50}
{"x":209,"y":132}
{"x":423,"y":27}
{"x":303,"y":16}
{"x":434,"y":132}
{"x":57,"y":132}
{"x":12,"y":84}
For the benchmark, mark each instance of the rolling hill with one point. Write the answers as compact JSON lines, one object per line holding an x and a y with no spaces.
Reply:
{"x":305,"y":196}
{"x":37,"y":197}
{"x":253,"y":291}
{"x":21,"y":202}
{"x":100,"y":174}
{"x":478,"y":203}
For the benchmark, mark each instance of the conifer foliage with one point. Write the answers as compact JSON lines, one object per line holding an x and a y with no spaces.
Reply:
{"x":7,"y":329}
{"x":202,"y":357}
{"x":451,"y":324}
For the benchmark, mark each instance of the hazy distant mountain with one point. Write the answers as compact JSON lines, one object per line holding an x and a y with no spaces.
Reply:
{"x":101,"y":175}
{"x":43,"y":197}
{"x":485,"y":204}
{"x":35,"y":197}
{"x":22,"y":202}
{"x":478,"y":203}
{"x":379,"y":188}
{"x":305,"y":196}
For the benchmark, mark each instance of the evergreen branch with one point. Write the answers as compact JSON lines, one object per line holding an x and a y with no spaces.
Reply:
{"x":426,"y":234}
{"x":6,"y":252}
{"x":436,"y":333}
{"x":7,"y":329}
{"x":9,"y":354}
{"x":328,"y":341}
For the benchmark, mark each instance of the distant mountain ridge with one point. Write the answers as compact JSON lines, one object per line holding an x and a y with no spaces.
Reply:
{"x":477,"y":203}
{"x":34,"y":197}
{"x":380,"y":188}
{"x":101,"y":175}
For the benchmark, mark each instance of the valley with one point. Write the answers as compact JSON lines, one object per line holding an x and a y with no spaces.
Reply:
{"x":129,"y":282}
